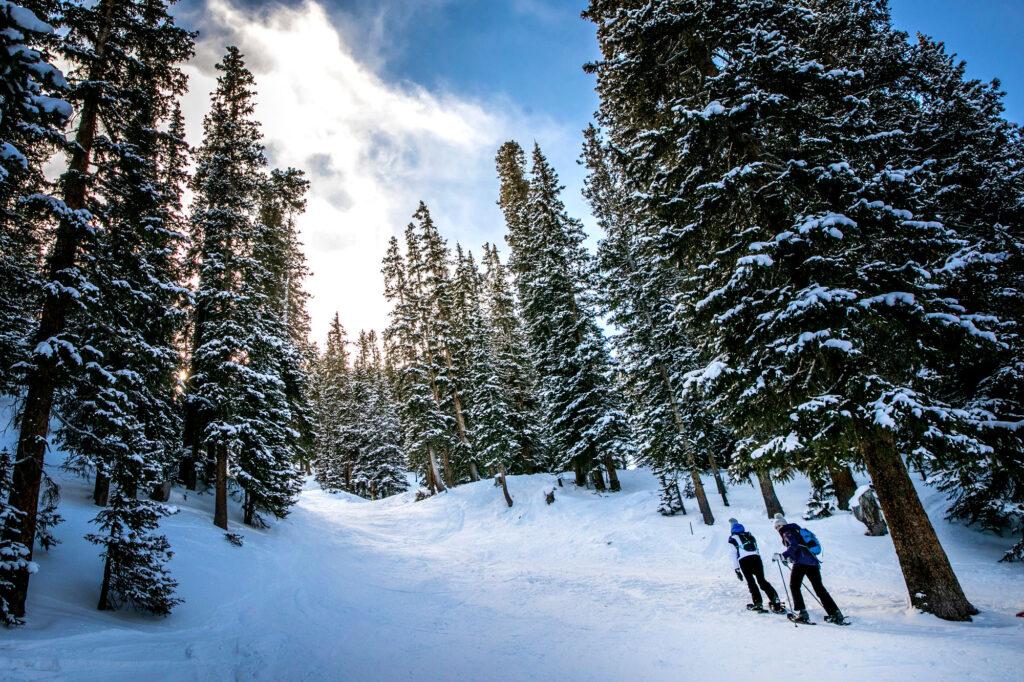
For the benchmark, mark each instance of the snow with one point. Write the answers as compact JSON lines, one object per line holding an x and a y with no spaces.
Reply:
{"x":460,"y":587}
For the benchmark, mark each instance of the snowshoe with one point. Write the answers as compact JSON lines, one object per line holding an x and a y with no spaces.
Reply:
{"x":777,"y":607}
{"x":800,"y":618}
{"x":756,"y":608}
{"x":837,"y":618}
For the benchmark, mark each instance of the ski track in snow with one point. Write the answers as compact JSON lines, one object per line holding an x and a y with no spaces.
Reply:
{"x":460,"y":587}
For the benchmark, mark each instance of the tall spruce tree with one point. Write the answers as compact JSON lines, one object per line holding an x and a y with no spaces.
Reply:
{"x":806,"y":261}
{"x":32,"y":115}
{"x":330,"y":391}
{"x":121,"y":415}
{"x":553,"y":274}
{"x":512,"y":365}
{"x":977,"y":187}
{"x":104,"y":43}
{"x":427,"y":435}
{"x":673,"y":432}
{"x":238,"y":397}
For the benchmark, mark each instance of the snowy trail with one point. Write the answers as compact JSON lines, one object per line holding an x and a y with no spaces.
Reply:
{"x":594,"y":587}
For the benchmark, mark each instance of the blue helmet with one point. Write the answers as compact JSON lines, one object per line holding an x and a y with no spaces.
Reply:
{"x":737,"y":528}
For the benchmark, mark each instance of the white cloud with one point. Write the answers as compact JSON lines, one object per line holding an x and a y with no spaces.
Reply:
{"x":372,"y":149}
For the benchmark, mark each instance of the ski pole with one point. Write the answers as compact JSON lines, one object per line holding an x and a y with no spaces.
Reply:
{"x":785,"y":587}
{"x":801,"y":589}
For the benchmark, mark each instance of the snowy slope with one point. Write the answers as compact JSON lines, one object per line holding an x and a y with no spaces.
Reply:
{"x":594,"y":587}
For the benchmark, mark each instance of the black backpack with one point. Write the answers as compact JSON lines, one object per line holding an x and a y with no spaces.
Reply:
{"x":746,"y":541}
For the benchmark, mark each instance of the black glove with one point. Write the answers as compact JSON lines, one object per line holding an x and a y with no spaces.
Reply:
{"x":739,"y":575}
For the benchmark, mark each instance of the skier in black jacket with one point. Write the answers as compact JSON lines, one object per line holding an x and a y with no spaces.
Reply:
{"x":746,"y":561}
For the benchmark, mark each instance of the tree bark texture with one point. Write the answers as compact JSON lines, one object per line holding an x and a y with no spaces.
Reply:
{"x":220,"y":509}
{"x":771,"y":501}
{"x":931,"y":583}
{"x":843,"y":485}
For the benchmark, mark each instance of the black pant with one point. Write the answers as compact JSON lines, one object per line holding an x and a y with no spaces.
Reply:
{"x":753,"y":571}
{"x":813,"y":574}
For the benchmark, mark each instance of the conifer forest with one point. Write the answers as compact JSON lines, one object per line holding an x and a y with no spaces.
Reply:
{"x":763,"y":321}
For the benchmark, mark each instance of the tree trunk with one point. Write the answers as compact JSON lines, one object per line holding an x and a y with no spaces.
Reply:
{"x":474,"y":472}
{"x":698,"y":485}
{"x":931,"y":583}
{"x":719,"y":483}
{"x":26,"y":477}
{"x":104,"y":603}
{"x":580,"y":470}
{"x":449,"y":472}
{"x":220,"y":507}
{"x":679,"y":496}
{"x":161,"y":491}
{"x":843,"y":484}
{"x":188,"y":468}
{"x":613,"y":475}
{"x":771,"y":501}
{"x":702,"y":498}
{"x":101,"y":488}
{"x":435,"y":474}
{"x":502,"y":476}
{"x":598,"y":478}
{"x":247,"y":510}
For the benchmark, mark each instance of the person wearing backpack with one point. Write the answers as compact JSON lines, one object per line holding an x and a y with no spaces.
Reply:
{"x":746,"y":561}
{"x":802,"y":548}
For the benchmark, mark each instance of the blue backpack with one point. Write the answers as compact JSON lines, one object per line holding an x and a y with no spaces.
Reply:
{"x":810,"y":541}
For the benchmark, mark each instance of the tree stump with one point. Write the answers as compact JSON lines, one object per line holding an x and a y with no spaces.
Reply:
{"x":549,"y":496}
{"x":867,"y":510}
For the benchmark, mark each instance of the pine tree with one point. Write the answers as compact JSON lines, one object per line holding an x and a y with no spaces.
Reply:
{"x":512,"y":366}
{"x":671,"y":502}
{"x":430,"y":268}
{"x":240,"y":408}
{"x":977,"y":185}
{"x":331,"y":393}
{"x":122,"y":416}
{"x":280,"y":251}
{"x":554,"y":279}
{"x":490,"y":410}
{"x":670,"y":428}
{"x":426,"y":429}
{"x":105,"y":43}
{"x":806,"y":262}
{"x":32,"y":116}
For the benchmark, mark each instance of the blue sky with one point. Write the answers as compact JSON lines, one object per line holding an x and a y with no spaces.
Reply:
{"x":387,"y":102}
{"x":532,"y":50}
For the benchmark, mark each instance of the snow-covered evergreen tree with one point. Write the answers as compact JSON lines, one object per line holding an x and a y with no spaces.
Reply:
{"x":977,"y":187}
{"x":553,"y":273}
{"x":671,"y":430}
{"x":32,"y":115}
{"x":237,"y":393}
{"x":807,"y":263}
{"x":512,"y":367}
{"x":330,"y":391}
{"x":107,"y":45}
{"x":31,"y":118}
{"x":427,"y":433}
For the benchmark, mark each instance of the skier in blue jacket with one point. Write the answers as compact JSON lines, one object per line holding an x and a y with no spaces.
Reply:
{"x":746,"y":561}
{"x":804,"y":563}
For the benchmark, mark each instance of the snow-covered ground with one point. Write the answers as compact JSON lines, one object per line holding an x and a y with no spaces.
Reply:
{"x":460,"y":587}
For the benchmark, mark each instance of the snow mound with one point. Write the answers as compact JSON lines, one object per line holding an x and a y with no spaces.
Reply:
{"x":460,"y":586}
